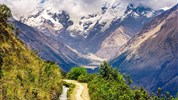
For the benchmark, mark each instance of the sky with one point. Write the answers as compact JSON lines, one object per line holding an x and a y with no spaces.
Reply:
{"x":80,"y":7}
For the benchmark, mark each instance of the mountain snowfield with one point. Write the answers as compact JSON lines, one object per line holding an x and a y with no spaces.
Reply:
{"x":85,"y":40}
{"x":151,"y":56}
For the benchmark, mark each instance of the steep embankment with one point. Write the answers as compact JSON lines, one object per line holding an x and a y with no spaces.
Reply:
{"x":24,"y":76}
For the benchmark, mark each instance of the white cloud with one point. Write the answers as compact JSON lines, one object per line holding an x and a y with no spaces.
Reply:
{"x":155,"y":4}
{"x":21,"y":7}
{"x":77,"y":7}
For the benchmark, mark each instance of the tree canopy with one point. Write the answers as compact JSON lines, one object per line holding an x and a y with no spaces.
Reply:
{"x":76,"y":72}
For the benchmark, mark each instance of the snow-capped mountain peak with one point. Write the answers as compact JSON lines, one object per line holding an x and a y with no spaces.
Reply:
{"x":92,"y":34}
{"x":48,"y":17}
{"x":56,"y":20}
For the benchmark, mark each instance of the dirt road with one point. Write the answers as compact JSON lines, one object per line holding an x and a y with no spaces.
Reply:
{"x":80,"y":91}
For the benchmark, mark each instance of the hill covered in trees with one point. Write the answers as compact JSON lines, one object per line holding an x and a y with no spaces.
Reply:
{"x":23,"y":75}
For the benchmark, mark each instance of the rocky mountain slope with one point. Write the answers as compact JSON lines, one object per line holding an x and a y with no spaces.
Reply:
{"x":151,"y":56}
{"x":88,"y":40}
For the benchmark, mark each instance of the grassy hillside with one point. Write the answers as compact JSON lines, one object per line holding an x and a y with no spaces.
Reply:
{"x":23,"y":75}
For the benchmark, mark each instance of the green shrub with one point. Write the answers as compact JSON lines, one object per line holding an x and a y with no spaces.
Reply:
{"x":71,"y":87}
{"x":76,"y":72}
{"x":109,"y":84}
{"x":107,"y":72}
{"x":85,"y":78}
{"x":102,"y":89}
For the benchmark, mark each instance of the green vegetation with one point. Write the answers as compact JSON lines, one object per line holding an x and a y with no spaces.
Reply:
{"x":24,"y":76}
{"x":80,"y":74}
{"x":86,"y":78}
{"x":5,"y":13}
{"x":110,"y":84}
{"x":76,"y":72}
{"x":71,"y":87}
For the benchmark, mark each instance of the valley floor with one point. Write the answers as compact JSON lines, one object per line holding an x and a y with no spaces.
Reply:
{"x":80,"y":92}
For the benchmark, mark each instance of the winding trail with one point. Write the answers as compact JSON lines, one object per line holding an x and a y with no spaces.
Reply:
{"x":80,"y":92}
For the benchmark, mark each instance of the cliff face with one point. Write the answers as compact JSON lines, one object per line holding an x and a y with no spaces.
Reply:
{"x":151,"y":57}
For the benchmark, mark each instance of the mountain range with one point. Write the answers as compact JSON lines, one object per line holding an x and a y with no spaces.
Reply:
{"x":138,"y":40}
{"x":86,"y":42}
{"x":150,"y":57}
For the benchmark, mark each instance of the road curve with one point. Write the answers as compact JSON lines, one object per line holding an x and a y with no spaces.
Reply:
{"x":80,"y":91}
